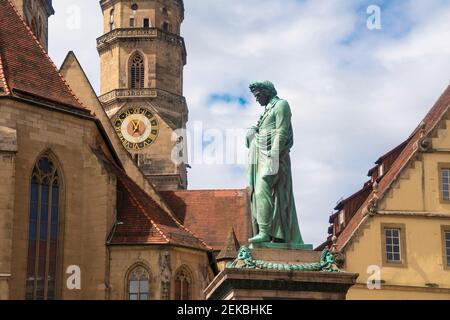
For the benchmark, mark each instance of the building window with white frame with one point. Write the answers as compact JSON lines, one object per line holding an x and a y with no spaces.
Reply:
{"x":393,"y":245}
{"x":446,"y":238}
{"x":445,"y":184}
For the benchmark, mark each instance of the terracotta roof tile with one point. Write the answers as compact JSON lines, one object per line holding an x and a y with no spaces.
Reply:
{"x":26,"y":67}
{"x":425,"y":129}
{"x":142,"y":220}
{"x":4,"y":88}
{"x":210,"y":214}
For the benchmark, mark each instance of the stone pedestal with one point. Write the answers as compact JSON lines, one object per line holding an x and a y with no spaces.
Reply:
{"x":241,"y":283}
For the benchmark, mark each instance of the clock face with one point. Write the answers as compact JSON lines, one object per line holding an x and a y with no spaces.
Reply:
{"x":137,"y":128}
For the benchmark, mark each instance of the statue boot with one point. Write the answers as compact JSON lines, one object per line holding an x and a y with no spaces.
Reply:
{"x":260,"y":238}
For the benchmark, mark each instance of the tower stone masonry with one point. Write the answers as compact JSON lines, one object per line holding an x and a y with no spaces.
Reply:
{"x":36,"y":14}
{"x":142,"y":57}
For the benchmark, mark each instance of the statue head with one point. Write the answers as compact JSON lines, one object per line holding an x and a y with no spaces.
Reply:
{"x":263,"y":91}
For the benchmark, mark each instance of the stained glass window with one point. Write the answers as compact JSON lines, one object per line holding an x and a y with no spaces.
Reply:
{"x":43,"y":231}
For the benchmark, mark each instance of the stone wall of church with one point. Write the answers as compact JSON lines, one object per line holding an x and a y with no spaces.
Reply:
{"x":87,"y":207}
{"x":162,"y":264}
{"x":8,"y":148}
{"x":74,"y":75}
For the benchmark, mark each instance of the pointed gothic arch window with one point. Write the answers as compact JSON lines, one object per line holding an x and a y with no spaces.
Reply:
{"x":45,"y":195}
{"x":183,"y":284}
{"x":111,"y":20}
{"x":137,"y":71}
{"x":138,"y":284}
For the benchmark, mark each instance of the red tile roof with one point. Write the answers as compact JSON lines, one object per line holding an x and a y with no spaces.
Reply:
{"x":142,"y":220}
{"x":211,"y":214}
{"x":26,"y":69}
{"x":4,"y":89}
{"x":424,"y":130}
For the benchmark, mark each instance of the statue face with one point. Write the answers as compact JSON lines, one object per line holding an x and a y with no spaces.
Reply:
{"x":262,"y":98}
{"x":244,"y":253}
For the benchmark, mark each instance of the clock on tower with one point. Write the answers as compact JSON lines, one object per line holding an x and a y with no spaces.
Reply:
{"x":142,"y":57}
{"x":137,"y":128}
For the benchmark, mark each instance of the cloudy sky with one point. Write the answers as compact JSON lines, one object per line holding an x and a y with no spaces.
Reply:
{"x":355,"y":93}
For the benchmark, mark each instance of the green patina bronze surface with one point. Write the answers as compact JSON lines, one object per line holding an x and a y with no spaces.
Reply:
{"x":246,"y":261}
{"x":283,"y":246}
{"x":269,"y":173}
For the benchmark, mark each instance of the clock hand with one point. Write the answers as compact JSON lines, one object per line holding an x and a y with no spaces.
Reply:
{"x":135,"y":125}
{"x":138,"y":125}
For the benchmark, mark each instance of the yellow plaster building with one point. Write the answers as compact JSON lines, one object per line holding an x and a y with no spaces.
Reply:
{"x":395,"y":232}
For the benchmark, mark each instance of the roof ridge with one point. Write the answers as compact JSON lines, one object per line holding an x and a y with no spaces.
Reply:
{"x":3,"y":78}
{"x":417,"y":132}
{"x":44,"y":52}
{"x":424,"y":130}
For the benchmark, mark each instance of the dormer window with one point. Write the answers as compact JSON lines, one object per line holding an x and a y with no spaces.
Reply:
{"x":341,"y":219}
{"x":381,"y":170}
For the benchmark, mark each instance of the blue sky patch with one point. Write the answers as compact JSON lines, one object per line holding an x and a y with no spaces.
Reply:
{"x":228,"y":98}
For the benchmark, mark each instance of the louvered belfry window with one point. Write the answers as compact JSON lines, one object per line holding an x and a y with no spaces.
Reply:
{"x":137,"y":71}
{"x":43,"y":231}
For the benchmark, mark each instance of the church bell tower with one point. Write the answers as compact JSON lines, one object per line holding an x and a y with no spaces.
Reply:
{"x":36,"y":14}
{"x":142,"y":57}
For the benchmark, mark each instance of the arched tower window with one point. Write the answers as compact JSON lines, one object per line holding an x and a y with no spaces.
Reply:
{"x":138,"y":284}
{"x":45,"y":195}
{"x":137,"y":71}
{"x":183,"y":284}
{"x":111,"y":20}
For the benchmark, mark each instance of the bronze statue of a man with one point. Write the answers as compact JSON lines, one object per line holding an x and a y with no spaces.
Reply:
{"x":269,"y":142}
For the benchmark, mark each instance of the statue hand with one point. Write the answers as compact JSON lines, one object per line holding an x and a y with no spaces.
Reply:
{"x":251,"y":133}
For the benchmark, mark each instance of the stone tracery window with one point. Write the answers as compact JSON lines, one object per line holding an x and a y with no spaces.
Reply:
{"x":138,"y":284}
{"x":45,"y":195}
{"x":183,"y":284}
{"x":137,"y":71}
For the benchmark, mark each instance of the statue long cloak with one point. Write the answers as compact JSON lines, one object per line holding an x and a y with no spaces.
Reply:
{"x":270,"y":175}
